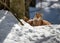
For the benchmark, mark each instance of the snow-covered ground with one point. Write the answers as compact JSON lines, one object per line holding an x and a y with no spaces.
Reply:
{"x":7,"y":21}
{"x":11,"y":32}
{"x":36,"y":34}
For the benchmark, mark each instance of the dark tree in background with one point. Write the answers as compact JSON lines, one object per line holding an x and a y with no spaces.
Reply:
{"x":33,"y":3}
{"x":27,"y":2}
{"x":1,"y":6}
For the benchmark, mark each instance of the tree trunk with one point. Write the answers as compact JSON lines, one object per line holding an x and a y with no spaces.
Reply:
{"x":19,"y":7}
{"x":27,"y":3}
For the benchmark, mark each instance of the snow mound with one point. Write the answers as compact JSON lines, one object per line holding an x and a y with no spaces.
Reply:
{"x":37,"y":34}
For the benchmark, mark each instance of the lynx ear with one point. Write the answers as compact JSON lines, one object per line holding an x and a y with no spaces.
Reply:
{"x":25,"y":18}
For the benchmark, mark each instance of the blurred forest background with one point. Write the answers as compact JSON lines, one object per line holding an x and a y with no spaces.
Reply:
{"x":28,"y":8}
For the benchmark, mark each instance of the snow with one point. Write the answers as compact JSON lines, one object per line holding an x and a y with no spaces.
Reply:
{"x":56,"y":5}
{"x":53,"y":3}
{"x":44,"y":4}
{"x":36,"y":34}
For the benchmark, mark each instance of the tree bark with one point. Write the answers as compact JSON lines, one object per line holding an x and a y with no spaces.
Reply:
{"x":27,"y":3}
{"x":19,"y":7}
